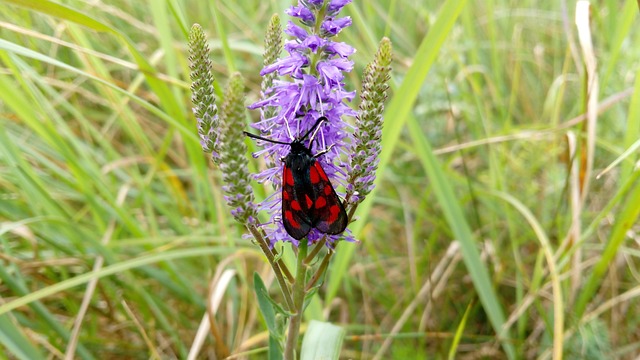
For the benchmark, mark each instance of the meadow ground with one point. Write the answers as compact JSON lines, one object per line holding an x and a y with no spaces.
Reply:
{"x":494,"y":230}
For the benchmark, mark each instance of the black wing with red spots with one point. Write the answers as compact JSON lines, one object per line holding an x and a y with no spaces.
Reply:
{"x":327,"y":213}
{"x":308,"y":198}
{"x":295,"y":218}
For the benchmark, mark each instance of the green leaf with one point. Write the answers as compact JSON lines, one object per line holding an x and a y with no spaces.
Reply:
{"x":626,"y":217}
{"x":265,"y":304}
{"x":14,"y":341}
{"x":459,"y":331}
{"x":275,"y":348}
{"x":62,"y":12}
{"x":322,"y":341}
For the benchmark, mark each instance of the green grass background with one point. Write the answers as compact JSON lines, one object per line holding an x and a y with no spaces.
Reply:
{"x":472,"y":246}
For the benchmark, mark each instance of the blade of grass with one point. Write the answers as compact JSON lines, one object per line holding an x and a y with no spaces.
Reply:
{"x":166,"y":98}
{"x":558,"y":302}
{"x":222,"y":34}
{"x":15,"y":342}
{"x":15,"y":283}
{"x":626,"y":217}
{"x":624,"y":21}
{"x":396,"y":115}
{"x":633,"y":128}
{"x":462,"y":232}
{"x":111,"y":270}
{"x":188,"y":133}
{"x":459,"y":332}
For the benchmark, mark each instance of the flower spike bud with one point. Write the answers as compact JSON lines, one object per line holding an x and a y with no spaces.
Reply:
{"x":272,"y":48}
{"x":203,"y":97}
{"x":365,"y":151}
{"x":233,"y":161}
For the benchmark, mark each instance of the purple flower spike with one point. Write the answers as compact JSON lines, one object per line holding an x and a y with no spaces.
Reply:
{"x":313,"y":86}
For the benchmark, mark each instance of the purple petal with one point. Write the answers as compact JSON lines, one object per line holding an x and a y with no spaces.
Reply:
{"x":333,"y":27}
{"x":305,"y":15}
{"x":336,"y":5}
{"x":340,"y":48}
{"x":314,"y":42}
{"x":290,"y":65}
{"x":294,"y":30}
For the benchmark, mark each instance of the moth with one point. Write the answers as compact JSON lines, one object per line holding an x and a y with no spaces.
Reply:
{"x":308,"y":198}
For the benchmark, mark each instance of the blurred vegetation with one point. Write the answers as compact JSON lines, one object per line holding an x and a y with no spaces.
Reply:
{"x":114,"y":232}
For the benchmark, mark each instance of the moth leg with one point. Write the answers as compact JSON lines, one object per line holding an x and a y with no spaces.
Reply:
{"x":324,"y":151}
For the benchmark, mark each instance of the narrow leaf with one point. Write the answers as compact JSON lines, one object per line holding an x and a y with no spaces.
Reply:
{"x":265,"y":304}
{"x":459,"y":331}
{"x":15,"y":342}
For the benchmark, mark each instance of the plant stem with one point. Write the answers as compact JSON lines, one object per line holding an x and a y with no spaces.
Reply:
{"x":321,"y":270}
{"x":298,"y":300}
{"x":275,"y":265}
{"x":283,"y":266}
{"x":327,"y":257}
{"x":316,"y":249}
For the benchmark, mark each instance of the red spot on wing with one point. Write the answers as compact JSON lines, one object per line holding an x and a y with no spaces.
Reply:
{"x":334,"y":211}
{"x":320,"y":171}
{"x":321,"y":202}
{"x":285,"y":195}
{"x":289,"y":216}
{"x":295,"y":205}
{"x":288,"y":176}
{"x":313,"y":174}
{"x":327,"y":189}
{"x":309,"y":201}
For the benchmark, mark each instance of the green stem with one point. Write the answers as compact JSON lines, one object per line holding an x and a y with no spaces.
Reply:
{"x":316,"y":249}
{"x":298,"y":300}
{"x":285,"y":270}
{"x":275,"y":265}
{"x":324,"y":265}
{"x":321,"y":270}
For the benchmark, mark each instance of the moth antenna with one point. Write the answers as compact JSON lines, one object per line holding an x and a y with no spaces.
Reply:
{"x":313,"y":136}
{"x":253,"y":136}
{"x":314,"y":127}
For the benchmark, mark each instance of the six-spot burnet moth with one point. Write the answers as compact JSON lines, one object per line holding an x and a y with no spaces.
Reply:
{"x":308,"y":198}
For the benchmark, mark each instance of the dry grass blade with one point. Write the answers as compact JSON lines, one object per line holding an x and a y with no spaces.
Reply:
{"x":574,"y":233}
{"x":150,"y":345}
{"x":439,"y":276}
{"x":218,"y":287}
{"x":592,"y":89}
{"x":557,"y":302}
{"x":70,"y":352}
